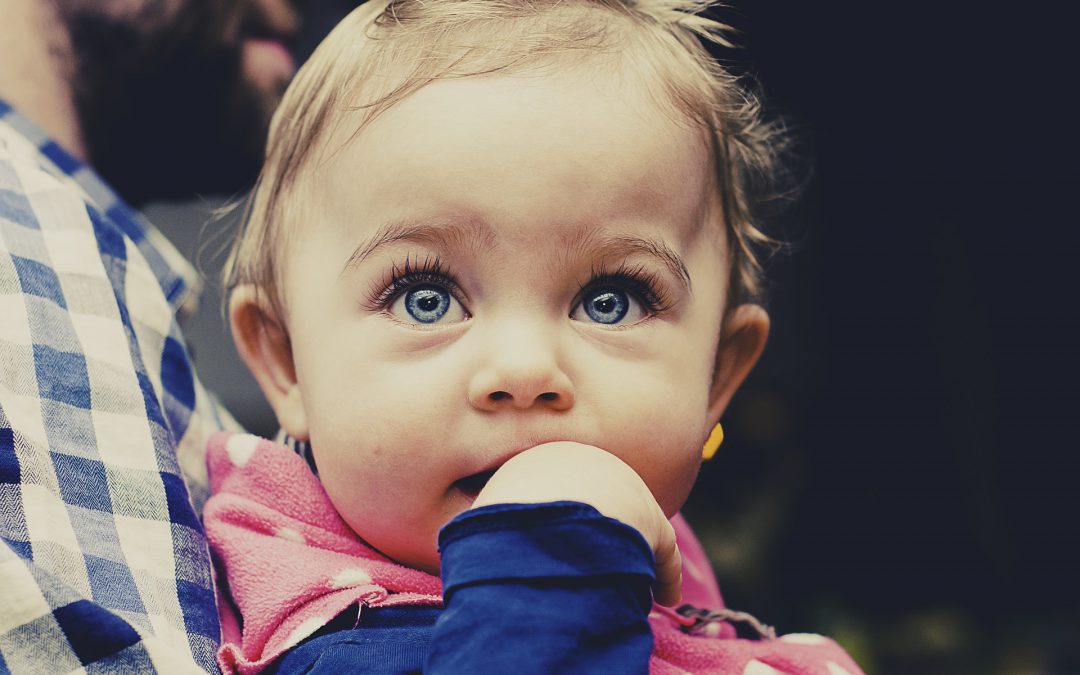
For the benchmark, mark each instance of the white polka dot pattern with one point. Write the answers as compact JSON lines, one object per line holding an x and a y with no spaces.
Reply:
{"x":240,"y":448}
{"x":755,"y":667}
{"x":353,"y":576}
{"x":290,"y":534}
{"x":803,"y":639}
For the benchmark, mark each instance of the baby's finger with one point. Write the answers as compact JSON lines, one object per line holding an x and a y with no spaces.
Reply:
{"x":668,"y":588}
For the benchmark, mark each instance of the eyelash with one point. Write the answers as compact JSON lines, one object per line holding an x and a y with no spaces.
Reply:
{"x":645,"y":286}
{"x":413,"y":272}
{"x":639,"y":282}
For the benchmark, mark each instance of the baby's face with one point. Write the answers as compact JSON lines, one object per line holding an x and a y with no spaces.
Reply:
{"x":497,"y":263}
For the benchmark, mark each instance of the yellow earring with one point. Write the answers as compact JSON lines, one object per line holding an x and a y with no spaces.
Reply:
{"x":712,"y":443}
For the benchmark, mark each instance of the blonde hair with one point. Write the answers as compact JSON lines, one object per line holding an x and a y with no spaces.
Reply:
{"x":387,"y":49}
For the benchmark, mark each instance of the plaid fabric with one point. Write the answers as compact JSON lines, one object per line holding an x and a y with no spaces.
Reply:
{"x":103,"y":427}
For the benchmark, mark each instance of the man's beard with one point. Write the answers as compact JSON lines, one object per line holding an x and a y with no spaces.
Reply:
{"x":166,"y":113}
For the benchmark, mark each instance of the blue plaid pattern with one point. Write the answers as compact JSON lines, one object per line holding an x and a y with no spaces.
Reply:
{"x":103,"y":562}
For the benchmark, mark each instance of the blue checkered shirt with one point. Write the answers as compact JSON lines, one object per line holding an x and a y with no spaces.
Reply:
{"x":103,"y":423}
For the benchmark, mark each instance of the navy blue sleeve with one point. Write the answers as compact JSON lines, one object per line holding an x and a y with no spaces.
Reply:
{"x":542,"y":589}
{"x":528,"y":588}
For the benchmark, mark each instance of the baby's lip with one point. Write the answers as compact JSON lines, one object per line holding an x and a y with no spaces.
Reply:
{"x":471,"y":485}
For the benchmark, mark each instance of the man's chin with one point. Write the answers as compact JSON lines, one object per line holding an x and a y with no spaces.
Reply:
{"x":169,"y":119}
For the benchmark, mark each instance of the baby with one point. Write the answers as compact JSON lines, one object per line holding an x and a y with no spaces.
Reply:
{"x":497,"y":280}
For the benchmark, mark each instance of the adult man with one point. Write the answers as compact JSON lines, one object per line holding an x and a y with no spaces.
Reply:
{"x":102,"y":421}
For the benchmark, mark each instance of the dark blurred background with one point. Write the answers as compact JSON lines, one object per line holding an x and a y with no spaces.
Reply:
{"x":901,"y":470}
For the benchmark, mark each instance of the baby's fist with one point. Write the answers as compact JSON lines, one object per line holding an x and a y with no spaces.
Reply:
{"x":567,"y":471}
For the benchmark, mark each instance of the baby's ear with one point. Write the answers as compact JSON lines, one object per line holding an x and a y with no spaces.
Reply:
{"x":263,"y":343}
{"x":742,"y":339}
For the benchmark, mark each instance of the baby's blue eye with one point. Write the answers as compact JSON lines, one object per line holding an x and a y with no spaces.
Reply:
{"x":427,"y":304}
{"x":607,"y":305}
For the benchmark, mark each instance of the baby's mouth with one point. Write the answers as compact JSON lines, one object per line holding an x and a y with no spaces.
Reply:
{"x":472,"y":485}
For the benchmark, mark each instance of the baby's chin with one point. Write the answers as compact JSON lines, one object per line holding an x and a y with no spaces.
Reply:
{"x":425,"y":561}
{"x":429,"y":564}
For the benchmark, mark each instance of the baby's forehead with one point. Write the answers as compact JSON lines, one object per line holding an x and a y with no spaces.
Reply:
{"x":524,"y":41}
{"x":587,"y":79}
{"x":564,"y":149}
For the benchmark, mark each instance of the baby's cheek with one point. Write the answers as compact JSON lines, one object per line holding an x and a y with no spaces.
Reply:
{"x":666,"y":455}
{"x":678,"y":482}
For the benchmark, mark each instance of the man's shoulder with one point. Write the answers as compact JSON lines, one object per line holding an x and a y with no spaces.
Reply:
{"x":40,"y":187}
{"x":45,"y":188}
{"x":31,"y":196}
{"x":89,"y":297}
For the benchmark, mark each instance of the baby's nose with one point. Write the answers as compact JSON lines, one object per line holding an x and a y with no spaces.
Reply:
{"x":553,"y":393}
{"x":521,"y":371}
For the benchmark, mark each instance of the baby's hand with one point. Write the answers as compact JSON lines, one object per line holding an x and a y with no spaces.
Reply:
{"x":584,"y":473}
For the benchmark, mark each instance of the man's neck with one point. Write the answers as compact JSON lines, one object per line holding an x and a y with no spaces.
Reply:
{"x":36,"y":63}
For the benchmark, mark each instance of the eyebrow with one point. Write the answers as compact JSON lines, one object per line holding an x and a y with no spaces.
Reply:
{"x":624,"y":246}
{"x":476,"y":233}
{"x":437,"y":234}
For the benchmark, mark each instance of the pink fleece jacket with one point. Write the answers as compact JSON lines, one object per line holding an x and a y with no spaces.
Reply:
{"x":291,"y":564}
